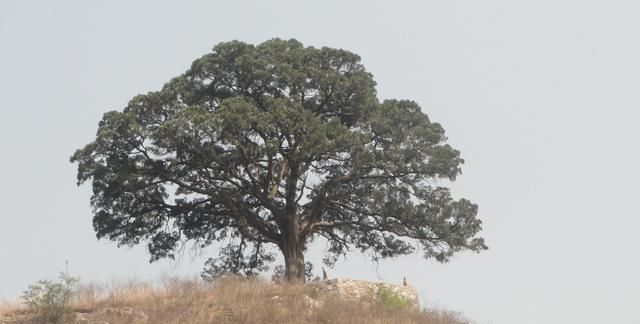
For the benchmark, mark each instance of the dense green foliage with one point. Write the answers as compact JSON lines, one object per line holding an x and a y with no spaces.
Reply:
{"x":276,"y":145}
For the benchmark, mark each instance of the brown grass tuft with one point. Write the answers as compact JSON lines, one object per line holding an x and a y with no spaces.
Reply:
{"x":10,"y":306}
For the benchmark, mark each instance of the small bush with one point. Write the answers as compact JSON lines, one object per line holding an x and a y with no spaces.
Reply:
{"x":391,"y":299}
{"x":49,"y":300}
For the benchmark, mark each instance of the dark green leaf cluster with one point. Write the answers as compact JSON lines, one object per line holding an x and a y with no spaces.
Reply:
{"x":276,"y":144}
{"x":235,"y":259}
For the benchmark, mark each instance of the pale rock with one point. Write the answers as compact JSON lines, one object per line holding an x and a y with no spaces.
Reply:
{"x":359,"y":290}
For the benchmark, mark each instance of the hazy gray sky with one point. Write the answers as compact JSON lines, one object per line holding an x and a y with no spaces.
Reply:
{"x":540,"y":96}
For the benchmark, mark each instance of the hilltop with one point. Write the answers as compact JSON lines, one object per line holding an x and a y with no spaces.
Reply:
{"x":233,"y":300}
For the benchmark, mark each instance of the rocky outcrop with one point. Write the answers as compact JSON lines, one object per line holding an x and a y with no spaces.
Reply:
{"x":360,"y":290}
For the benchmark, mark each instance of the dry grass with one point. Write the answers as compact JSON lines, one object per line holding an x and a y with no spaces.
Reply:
{"x":231,"y":300}
{"x":10,"y":306}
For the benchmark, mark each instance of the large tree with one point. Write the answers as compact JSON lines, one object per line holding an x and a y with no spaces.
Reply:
{"x":276,"y":145}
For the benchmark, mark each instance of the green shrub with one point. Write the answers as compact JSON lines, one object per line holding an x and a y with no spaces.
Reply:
{"x":391,"y":299}
{"x":49,"y":300}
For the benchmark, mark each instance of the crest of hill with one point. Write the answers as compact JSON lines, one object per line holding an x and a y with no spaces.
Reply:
{"x":236,"y":300}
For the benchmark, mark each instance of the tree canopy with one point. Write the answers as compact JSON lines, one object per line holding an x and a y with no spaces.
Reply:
{"x":269,"y":147}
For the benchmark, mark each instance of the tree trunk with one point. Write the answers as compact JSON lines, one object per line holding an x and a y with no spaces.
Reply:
{"x":292,"y":249}
{"x":292,"y":244}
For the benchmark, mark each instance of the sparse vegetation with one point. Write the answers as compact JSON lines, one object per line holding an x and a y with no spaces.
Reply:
{"x":10,"y":306}
{"x":391,"y":299}
{"x":231,"y":300}
{"x":49,"y":300}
